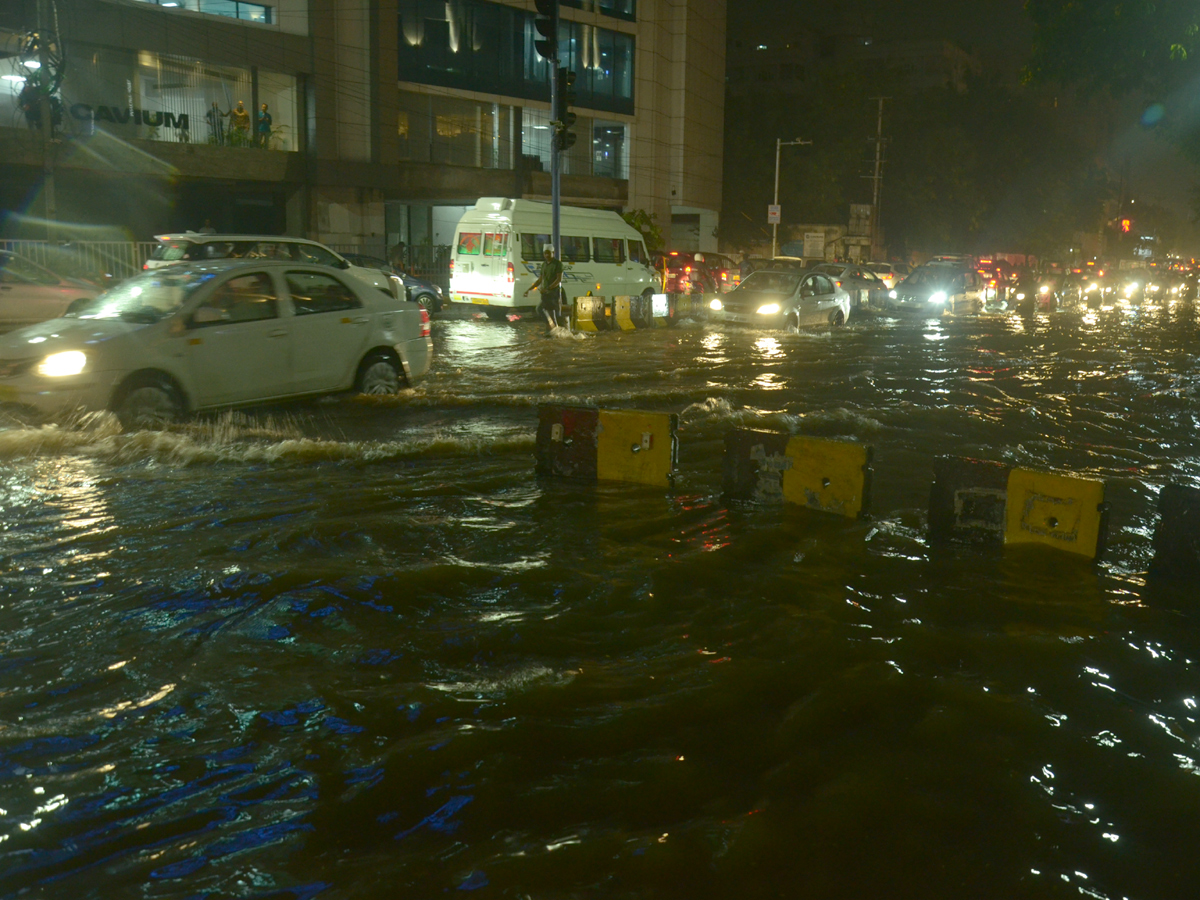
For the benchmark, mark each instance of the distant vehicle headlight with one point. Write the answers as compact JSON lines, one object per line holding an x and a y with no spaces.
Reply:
{"x":893,"y":294}
{"x":768,"y":309}
{"x":1129,"y":289}
{"x":56,"y":365}
{"x":716,"y":305}
{"x":938,"y":297}
{"x":1092,"y":286}
{"x":1175,"y":290}
{"x":1020,"y":296}
{"x":1044,"y":289}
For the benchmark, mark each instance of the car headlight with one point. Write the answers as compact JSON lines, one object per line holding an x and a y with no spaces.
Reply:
{"x":438,"y":288}
{"x":1091,"y":287}
{"x":938,"y":297}
{"x":768,"y":309}
{"x":1175,"y":290}
{"x":56,"y":365}
{"x":1020,"y":296}
{"x":716,"y":305}
{"x":1044,"y":289}
{"x":893,"y":294}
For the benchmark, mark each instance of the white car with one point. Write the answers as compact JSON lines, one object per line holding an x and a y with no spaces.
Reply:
{"x":784,"y":297}
{"x":195,"y":246}
{"x":212,"y":335}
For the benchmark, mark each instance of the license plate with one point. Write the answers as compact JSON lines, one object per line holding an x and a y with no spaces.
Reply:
{"x":480,"y":300}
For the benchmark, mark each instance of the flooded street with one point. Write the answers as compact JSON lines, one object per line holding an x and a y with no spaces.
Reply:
{"x":357,"y":649}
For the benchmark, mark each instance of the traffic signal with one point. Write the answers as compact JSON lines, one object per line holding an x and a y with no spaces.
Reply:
{"x":564,"y":119}
{"x":546,"y":23}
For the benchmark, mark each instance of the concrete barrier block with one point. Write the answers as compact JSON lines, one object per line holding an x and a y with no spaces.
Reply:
{"x":829,"y":476}
{"x":590,"y":314}
{"x":754,"y":464}
{"x":967,"y":500}
{"x":621,"y":320}
{"x":638,"y":447}
{"x":566,"y":441}
{"x":1177,"y":534}
{"x":1061,"y":511}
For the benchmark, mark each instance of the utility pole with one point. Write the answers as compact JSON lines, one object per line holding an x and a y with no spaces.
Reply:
{"x":47,"y":78}
{"x":877,"y":178}
{"x":779,"y":142}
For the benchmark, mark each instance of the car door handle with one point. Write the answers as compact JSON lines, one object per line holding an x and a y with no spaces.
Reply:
{"x":357,"y":320}
{"x":279,"y":332}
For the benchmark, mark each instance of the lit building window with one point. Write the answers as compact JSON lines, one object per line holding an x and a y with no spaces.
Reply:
{"x":234,"y":9}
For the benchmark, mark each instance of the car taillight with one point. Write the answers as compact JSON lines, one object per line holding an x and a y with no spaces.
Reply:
{"x":451,"y":267}
{"x":146,"y":265}
{"x":425,"y":329}
{"x":512,"y":274}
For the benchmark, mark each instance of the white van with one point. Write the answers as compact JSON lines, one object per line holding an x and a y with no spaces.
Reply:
{"x":498,"y":254}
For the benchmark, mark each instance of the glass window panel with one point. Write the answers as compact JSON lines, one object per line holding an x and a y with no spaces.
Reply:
{"x":531,"y":246}
{"x":574,"y":249}
{"x":608,"y":150}
{"x":247,"y":298}
{"x":494,"y":244}
{"x":535,"y":135}
{"x":219,"y":7}
{"x":314,"y":293}
{"x":469,"y":243}
{"x":637,"y":252}
{"x":609,"y":250}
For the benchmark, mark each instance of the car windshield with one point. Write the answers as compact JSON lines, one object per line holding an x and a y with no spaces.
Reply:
{"x":930,"y":276}
{"x":146,"y":298}
{"x":770,"y":282}
{"x":882,"y":268}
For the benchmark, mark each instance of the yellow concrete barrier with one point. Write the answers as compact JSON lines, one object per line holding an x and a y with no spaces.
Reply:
{"x":1062,"y":511}
{"x":640,"y":447}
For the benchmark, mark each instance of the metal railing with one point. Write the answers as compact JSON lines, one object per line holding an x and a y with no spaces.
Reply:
{"x":97,"y":261}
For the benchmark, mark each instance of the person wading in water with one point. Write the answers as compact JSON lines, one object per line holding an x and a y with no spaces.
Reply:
{"x":549,"y":282}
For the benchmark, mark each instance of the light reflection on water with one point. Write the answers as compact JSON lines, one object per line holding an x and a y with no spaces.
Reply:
{"x":332,"y":648}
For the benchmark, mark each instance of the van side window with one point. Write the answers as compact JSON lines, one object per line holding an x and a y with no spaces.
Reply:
{"x":531,"y":246}
{"x":470,"y":243}
{"x":637,"y":252}
{"x":574,"y":249}
{"x":609,"y":250}
{"x":493,"y":244}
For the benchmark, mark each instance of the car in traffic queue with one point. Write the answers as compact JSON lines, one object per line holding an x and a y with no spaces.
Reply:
{"x":937,"y":288}
{"x":1000,"y":278}
{"x":212,"y":335}
{"x":864,"y":286}
{"x":31,"y":293}
{"x":890,"y":274}
{"x":681,"y":272}
{"x":782,"y":298}
{"x":426,"y":293}
{"x":194,"y":246}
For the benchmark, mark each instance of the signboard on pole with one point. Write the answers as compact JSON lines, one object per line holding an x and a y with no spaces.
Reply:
{"x":773,"y":213}
{"x":814,"y":244}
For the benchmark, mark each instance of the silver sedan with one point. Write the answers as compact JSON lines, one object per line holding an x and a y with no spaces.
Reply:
{"x":780,"y":298}
{"x":864,"y":286}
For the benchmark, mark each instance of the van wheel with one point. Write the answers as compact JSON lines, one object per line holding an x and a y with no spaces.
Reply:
{"x":497,"y":314}
{"x":379,"y":375}
{"x":148,"y":402}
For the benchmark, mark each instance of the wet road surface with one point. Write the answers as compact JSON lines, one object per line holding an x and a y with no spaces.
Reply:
{"x":357,"y":649}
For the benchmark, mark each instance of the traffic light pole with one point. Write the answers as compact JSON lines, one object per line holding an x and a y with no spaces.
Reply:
{"x":555,"y":165}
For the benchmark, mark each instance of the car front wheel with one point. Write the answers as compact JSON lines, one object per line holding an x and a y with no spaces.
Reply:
{"x":148,"y":403}
{"x":379,"y":375}
{"x":429,"y":301}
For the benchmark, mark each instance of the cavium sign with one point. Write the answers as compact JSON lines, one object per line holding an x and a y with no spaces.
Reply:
{"x":129,"y":115}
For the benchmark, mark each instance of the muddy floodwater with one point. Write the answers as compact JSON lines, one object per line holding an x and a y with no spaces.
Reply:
{"x":351,"y":649}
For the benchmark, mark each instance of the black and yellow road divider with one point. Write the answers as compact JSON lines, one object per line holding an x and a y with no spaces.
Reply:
{"x":635,"y":312}
{"x":980,"y":501}
{"x":607,"y":445}
{"x":1177,"y":534}
{"x":830,"y":476}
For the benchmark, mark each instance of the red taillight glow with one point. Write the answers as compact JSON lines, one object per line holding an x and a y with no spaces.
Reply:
{"x":145,"y":266}
{"x":425,"y":329}
{"x":451,"y":267}
{"x":512,"y":274}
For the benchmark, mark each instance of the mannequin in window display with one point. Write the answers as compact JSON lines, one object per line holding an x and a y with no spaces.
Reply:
{"x":239,"y":121}
{"x":264,"y":126}
{"x":216,"y":124}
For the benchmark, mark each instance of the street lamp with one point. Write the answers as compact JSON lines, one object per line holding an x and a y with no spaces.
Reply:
{"x":780,"y":142}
